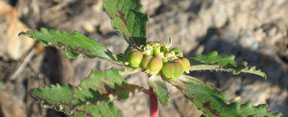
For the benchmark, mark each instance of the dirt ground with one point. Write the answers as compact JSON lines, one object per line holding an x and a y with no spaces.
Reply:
{"x":255,"y":31}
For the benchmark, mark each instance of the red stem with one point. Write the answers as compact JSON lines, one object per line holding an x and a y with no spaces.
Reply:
{"x":154,"y":112}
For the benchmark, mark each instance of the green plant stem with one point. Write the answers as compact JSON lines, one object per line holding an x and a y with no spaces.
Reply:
{"x":154,"y":112}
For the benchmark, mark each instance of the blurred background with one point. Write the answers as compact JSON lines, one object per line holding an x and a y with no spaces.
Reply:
{"x":253,"y":30}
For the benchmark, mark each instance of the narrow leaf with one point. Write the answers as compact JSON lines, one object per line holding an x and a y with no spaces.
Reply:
{"x":73,"y":44}
{"x":97,"y":88}
{"x":159,"y":88}
{"x":127,"y":18}
{"x":213,"y":102}
{"x":212,"y":61}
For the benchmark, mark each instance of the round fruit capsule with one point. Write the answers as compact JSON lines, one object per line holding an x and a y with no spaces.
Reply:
{"x":145,"y":61}
{"x":134,"y":58}
{"x":177,"y":52}
{"x":186,"y":64}
{"x":155,"y":65}
{"x":129,"y":49}
{"x":172,"y":70}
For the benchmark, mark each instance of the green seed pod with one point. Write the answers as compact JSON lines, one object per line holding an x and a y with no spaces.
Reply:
{"x":157,"y":45}
{"x":155,"y":65}
{"x":172,"y":70}
{"x":186,"y":64}
{"x":156,"y":50}
{"x":177,"y":52}
{"x":145,"y":61}
{"x":134,"y":58}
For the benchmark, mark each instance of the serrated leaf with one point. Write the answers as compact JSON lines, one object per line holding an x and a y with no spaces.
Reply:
{"x":248,"y":110}
{"x":100,"y":110}
{"x":103,"y":86}
{"x":212,"y":61}
{"x":159,"y":88}
{"x":73,"y":44}
{"x":58,"y":97}
{"x":97,"y":88}
{"x":127,"y":18}
{"x":213,"y":102}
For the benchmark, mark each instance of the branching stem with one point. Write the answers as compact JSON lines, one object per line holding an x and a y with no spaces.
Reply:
{"x":146,"y":91}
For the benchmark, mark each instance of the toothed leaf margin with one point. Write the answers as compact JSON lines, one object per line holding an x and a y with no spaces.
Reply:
{"x":212,"y":102}
{"x":97,"y":88}
{"x":73,"y":44}
{"x":212,"y":61}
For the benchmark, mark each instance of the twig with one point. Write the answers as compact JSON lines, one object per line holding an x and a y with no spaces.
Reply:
{"x":20,"y":69}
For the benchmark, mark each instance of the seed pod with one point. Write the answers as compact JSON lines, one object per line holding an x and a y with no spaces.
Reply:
{"x":186,"y":64}
{"x":145,"y":61}
{"x":129,"y":49}
{"x":155,"y":65}
{"x":156,"y":50}
{"x":157,"y":45}
{"x":177,"y":52}
{"x":172,"y":70}
{"x":134,"y":58}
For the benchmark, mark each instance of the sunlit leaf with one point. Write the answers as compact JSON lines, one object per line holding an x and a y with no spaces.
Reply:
{"x":212,"y":61}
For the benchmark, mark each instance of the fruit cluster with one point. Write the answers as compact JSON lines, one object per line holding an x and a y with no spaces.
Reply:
{"x":155,"y":57}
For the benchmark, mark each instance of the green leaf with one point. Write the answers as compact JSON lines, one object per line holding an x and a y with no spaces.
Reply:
{"x":73,"y":44}
{"x":103,"y":86}
{"x":100,"y":110}
{"x":159,"y":88}
{"x":212,"y":61}
{"x":127,"y":18}
{"x":248,"y":110}
{"x":58,"y":97}
{"x":98,"y":87}
{"x":213,"y":102}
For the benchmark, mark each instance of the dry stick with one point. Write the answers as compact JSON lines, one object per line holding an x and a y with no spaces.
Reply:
{"x":154,"y":112}
{"x":20,"y":69}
